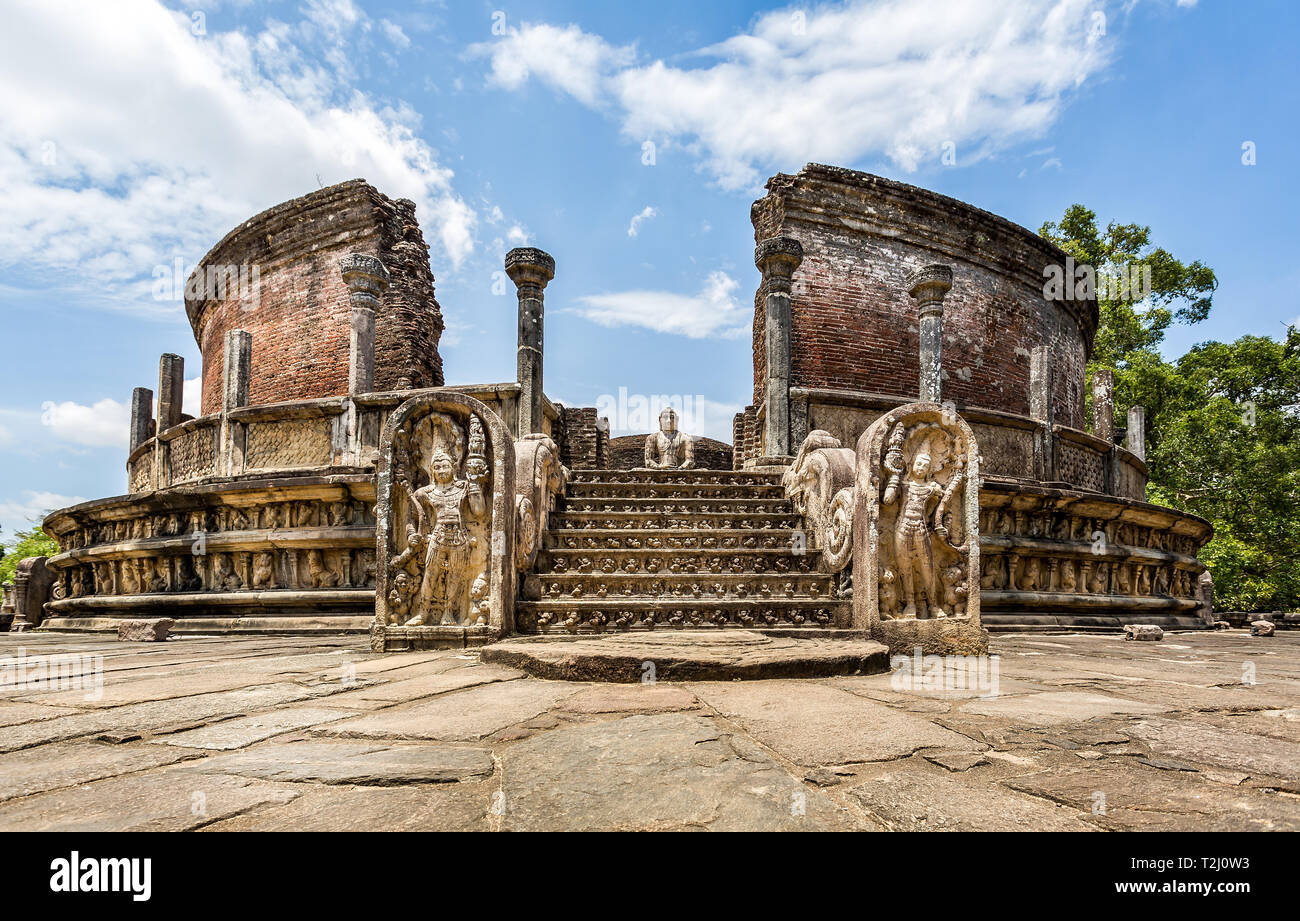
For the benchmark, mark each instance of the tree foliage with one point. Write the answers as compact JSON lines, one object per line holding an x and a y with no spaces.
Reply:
{"x":1223,"y":421}
{"x":30,"y":542}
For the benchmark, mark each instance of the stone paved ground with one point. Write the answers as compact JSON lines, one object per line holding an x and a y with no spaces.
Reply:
{"x":224,"y":734}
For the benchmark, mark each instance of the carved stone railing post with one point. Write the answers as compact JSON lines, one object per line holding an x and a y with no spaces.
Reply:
{"x":171,"y":387}
{"x":777,"y":259}
{"x":367,"y":280}
{"x":141,"y":416}
{"x":927,"y":287}
{"x":530,"y":269}
{"x":1136,"y":437}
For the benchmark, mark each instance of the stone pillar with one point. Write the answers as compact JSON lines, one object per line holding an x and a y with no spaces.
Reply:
{"x":237,"y":372}
{"x":1205,"y":597}
{"x":1103,"y":404}
{"x":927,"y":287}
{"x":367,"y":280}
{"x":777,"y":259}
{"x":1042,"y":411}
{"x":530,"y":269}
{"x":1040,"y":385}
{"x":1136,"y":437}
{"x":171,"y":387}
{"x":141,"y":416}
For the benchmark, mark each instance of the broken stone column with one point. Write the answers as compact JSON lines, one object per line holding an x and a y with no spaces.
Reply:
{"x":530,"y":269}
{"x":1205,"y":597}
{"x":927,"y":287}
{"x":1103,"y":404}
{"x":141,"y":416}
{"x":367,"y":279}
{"x":238,"y":369}
{"x":171,"y":387}
{"x":1136,"y":437}
{"x":33,"y":587}
{"x":777,"y":259}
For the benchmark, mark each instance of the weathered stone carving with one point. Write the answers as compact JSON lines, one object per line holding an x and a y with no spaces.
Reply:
{"x":668,"y":448}
{"x":539,"y":480}
{"x":446,"y":521}
{"x":821,"y":470}
{"x":33,"y":584}
{"x":916,"y":543}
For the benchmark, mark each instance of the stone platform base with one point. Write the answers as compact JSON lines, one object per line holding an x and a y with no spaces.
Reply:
{"x":406,"y":639}
{"x":1026,"y":622}
{"x":318,"y":625}
{"x":690,"y":656}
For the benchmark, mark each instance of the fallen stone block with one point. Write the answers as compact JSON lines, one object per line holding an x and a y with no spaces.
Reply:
{"x":145,"y":631}
{"x":1148,"y":632}
{"x":1222,"y":625}
{"x":1261,"y":628}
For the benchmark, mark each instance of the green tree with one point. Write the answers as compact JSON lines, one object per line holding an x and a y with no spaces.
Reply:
{"x":1223,"y":421}
{"x":1179,"y":291}
{"x":30,"y":542}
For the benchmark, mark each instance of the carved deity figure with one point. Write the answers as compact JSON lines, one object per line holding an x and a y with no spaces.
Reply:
{"x":668,"y":448}
{"x":443,"y":505}
{"x":916,"y":493}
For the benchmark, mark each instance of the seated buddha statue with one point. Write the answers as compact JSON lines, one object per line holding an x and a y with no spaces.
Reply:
{"x":668,"y":448}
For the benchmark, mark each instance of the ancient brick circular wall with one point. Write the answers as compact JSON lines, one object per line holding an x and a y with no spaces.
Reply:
{"x":628,"y":451}
{"x":855,"y":328}
{"x":298,"y":310}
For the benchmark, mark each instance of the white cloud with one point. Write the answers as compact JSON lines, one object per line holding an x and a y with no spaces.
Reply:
{"x":836,"y":84}
{"x":713,"y":312}
{"x":395,"y":34}
{"x":192,"y":397}
{"x":139,"y":141}
{"x":638,"y":219}
{"x":106,"y":424}
{"x":517,"y":235}
{"x":565,"y":58}
{"x":19,"y":513}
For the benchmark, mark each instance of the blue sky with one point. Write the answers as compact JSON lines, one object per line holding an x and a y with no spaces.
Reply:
{"x":135,"y":133}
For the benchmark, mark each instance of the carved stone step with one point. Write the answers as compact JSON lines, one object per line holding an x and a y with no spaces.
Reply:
{"x":611,"y":615}
{"x":685,"y":586}
{"x":609,"y":521}
{"x":671,"y":492}
{"x":676,"y":561}
{"x":684,"y":477}
{"x":662,"y":506}
{"x":672,"y":539}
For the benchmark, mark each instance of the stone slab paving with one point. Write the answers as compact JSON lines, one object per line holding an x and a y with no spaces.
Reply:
{"x":1081,"y":732}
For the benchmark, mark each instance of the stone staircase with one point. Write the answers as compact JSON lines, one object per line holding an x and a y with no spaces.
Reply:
{"x":676,"y":549}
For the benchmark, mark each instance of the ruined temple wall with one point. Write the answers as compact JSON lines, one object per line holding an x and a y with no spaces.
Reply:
{"x":299,"y":311}
{"x":583,"y":438}
{"x":853,"y":326}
